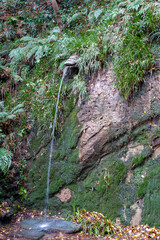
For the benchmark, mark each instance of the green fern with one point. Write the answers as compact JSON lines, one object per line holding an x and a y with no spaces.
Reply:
{"x":6,"y":115}
{"x":75,"y":18}
{"x":156,"y":35}
{"x":79,"y":88}
{"x":135,"y":5}
{"x":5,"y":159}
{"x":89,"y":59}
{"x":35,"y":48}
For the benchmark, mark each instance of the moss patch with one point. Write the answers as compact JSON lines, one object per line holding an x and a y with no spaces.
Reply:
{"x":100,"y":190}
{"x":64,"y":169}
{"x":150,"y":190}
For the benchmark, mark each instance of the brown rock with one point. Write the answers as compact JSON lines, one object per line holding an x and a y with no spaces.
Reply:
{"x":64,"y":195}
{"x":156,"y":143}
{"x":106,"y":117}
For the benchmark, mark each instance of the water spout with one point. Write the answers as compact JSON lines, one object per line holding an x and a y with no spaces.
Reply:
{"x":52,"y":141}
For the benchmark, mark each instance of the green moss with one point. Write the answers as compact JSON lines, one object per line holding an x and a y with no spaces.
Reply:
{"x":65,"y":167}
{"x":155,"y":108}
{"x":140,"y":131}
{"x":149,"y":189}
{"x":143,"y":139}
{"x":142,"y":189}
{"x":138,"y":160}
{"x":155,"y":133}
{"x":56,"y":183}
{"x":71,"y":133}
{"x":124,"y":140}
{"x":140,"y":135}
{"x":69,"y":105}
{"x":100,"y":190}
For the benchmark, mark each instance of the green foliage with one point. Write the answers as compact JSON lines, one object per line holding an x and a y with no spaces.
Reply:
{"x":9,"y":3}
{"x":40,"y":94}
{"x":41,"y":19}
{"x":135,"y":54}
{"x":5,"y":159}
{"x":12,"y":183}
{"x":146,"y":154}
{"x":149,"y":190}
{"x":78,"y":87}
{"x":86,"y":46}
{"x":155,"y":36}
{"x":156,"y":133}
{"x":138,"y":160}
{"x":94,"y":223}
{"x":7,"y":115}
{"x":94,"y":16}
{"x":75,"y":18}
{"x":23,"y":193}
{"x":89,"y":59}
{"x":130,"y":66}
{"x":33,"y":49}
{"x":140,"y":131}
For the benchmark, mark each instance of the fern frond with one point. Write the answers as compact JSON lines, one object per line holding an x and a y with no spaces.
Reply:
{"x":88,"y":61}
{"x":79,"y":88}
{"x":76,"y":17}
{"x":21,"y":105}
{"x":5,"y":114}
{"x":5,"y":159}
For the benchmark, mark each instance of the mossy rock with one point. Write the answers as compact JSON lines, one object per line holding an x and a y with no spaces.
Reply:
{"x":65,"y":166}
{"x":139,"y":160}
{"x":100,"y":189}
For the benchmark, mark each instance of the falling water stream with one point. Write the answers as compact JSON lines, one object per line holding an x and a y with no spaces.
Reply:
{"x":36,"y":228}
{"x":52,"y":141}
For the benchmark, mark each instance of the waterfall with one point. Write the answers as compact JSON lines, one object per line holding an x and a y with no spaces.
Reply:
{"x":52,"y":141}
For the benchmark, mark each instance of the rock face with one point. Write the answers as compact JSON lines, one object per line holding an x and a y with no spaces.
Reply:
{"x":107,"y":116}
{"x":108,"y":154}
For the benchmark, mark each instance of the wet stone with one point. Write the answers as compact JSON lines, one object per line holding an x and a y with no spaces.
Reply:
{"x":31,"y":234}
{"x":36,"y":228}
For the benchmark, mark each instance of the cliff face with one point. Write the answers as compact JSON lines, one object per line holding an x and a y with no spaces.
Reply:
{"x":107,"y":117}
{"x":108,"y":157}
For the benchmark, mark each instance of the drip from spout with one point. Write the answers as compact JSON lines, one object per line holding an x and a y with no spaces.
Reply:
{"x":52,"y":141}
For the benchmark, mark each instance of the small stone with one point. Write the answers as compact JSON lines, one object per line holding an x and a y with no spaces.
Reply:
{"x":64,"y":195}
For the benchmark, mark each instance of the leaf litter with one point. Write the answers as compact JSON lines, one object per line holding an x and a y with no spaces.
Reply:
{"x":91,"y":220}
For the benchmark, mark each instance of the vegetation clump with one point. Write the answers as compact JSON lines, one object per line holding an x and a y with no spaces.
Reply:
{"x":94,"y":223}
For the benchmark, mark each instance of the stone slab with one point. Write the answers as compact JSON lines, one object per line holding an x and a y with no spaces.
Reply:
{"x":36,"y":228}
{"x":31,"y":234}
